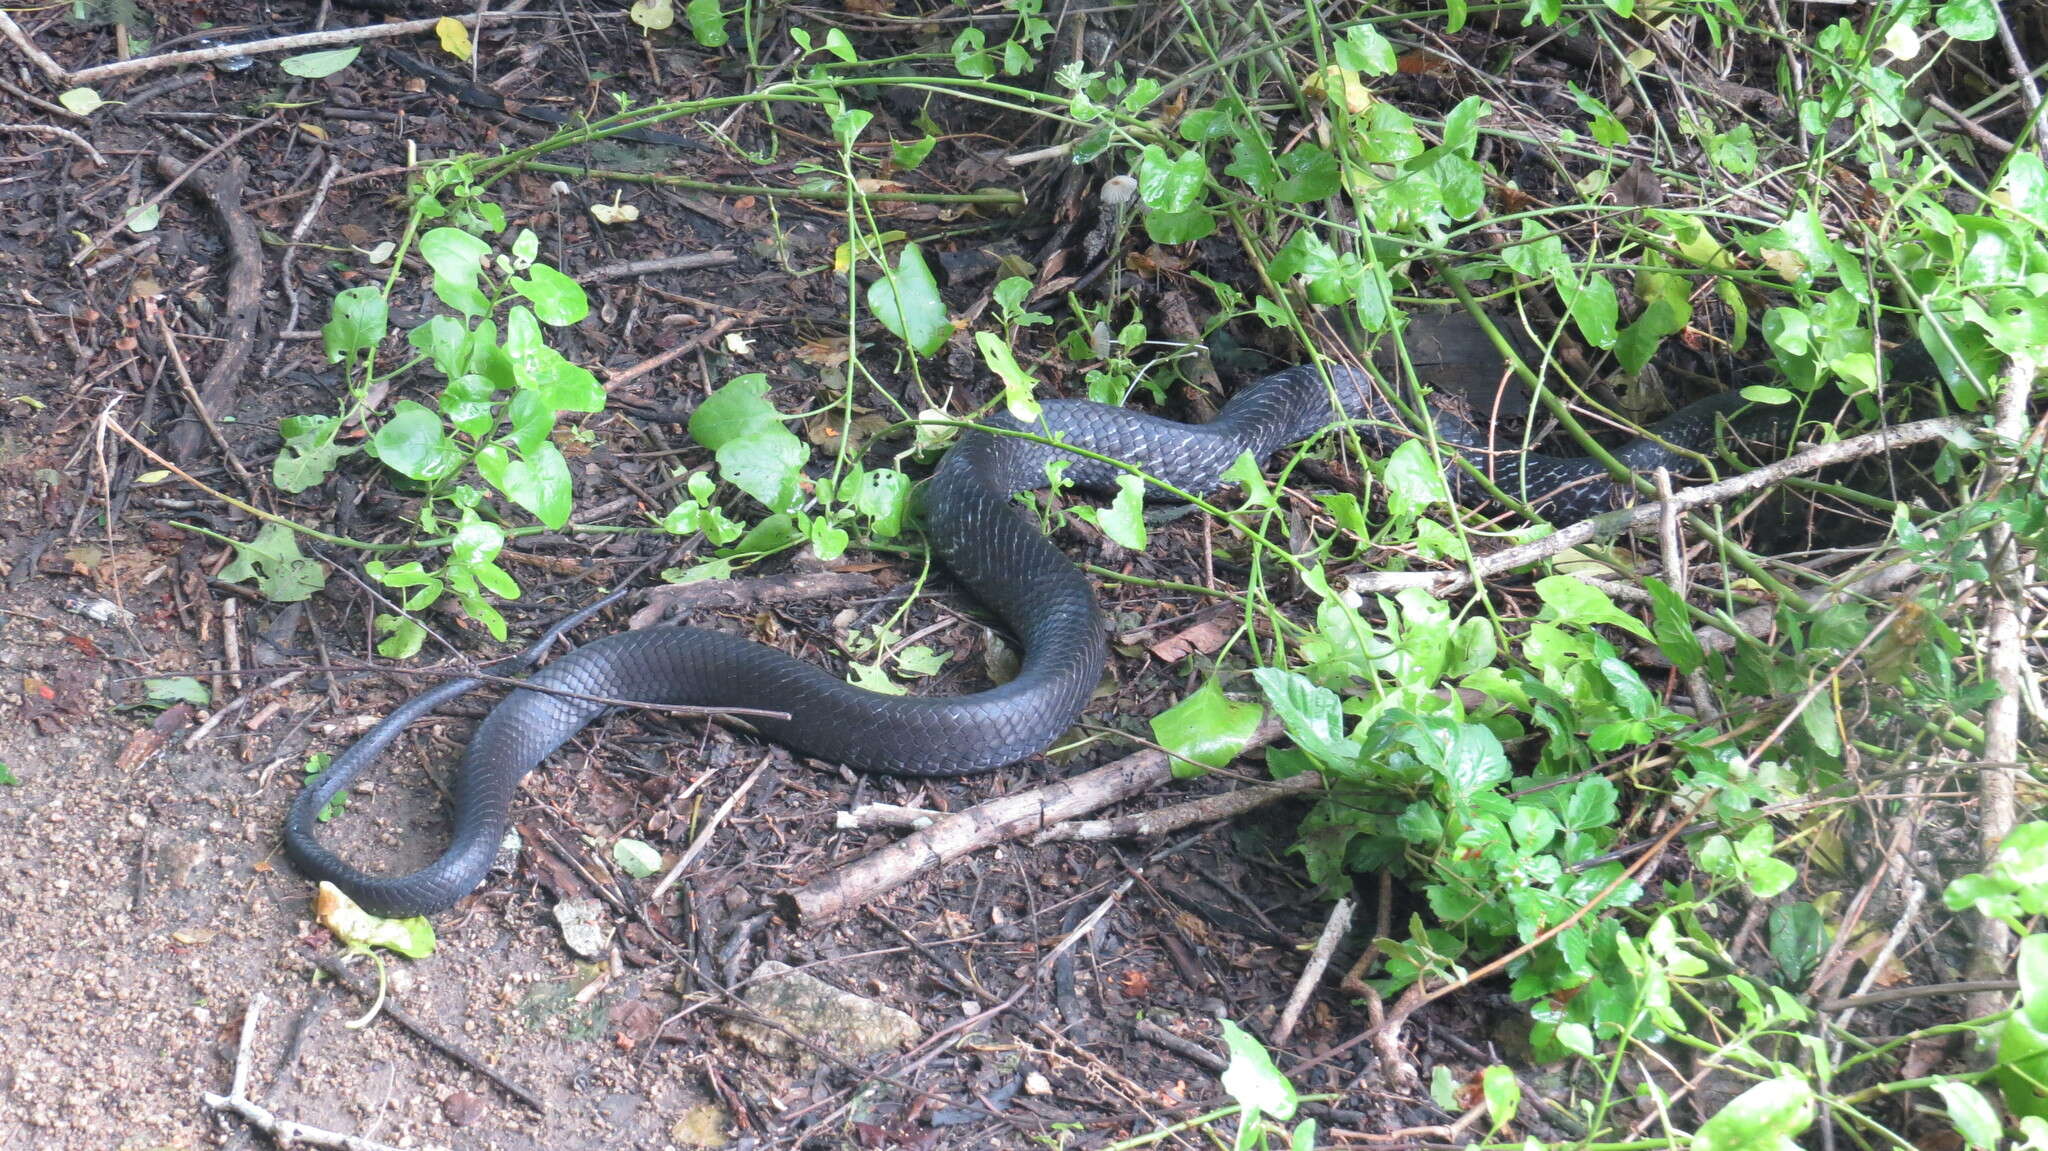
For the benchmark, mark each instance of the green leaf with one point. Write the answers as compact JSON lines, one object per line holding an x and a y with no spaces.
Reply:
{"x":735,"y":411}
{"x":1974,"y":1117}
{"x":2033,"y":972}
{"x":1180,"y":227}
{"x":318,"y":65}
{"x":7,"y":776}
{"x":909,"y":156}
{"x":1017,"y":383}
{"x":561,"y":385}
{"x":850,"y":123}
{"x":1253,"y":1080}
{"x":906,"y":300}
{"x":652,"y":15}
{"x":1307,"y":174}
{"x":558,"y":300}
{"x":636,"y":858}
{"x":1176,"y":184}
{"x":309,"y":454}
{"x":1797,"y":937}
{"x":1365,"y":50}
{"x":1671,"y":627}
{"x":1207,"y":728}
{"x":1569,"y":600}
{"x":1503,"y":1094}
{"x":282,"y":573}
{"x":81,"y":101}
{"x":538,"y":481}
{"x":883,"y":495}
{"x":1593,"y":308}
{"x":707,"y":22}
{"x":467,"y":403}
{"x":1313,"y":714}
{"x":445,"y":340}
{"x":919,"y":660}
{"x":2023,"y":1067}
{"x":1415,"y":482}
{"x":458,"y":262}
{"x":413,"y":444}
{"x":1968,"y":19}
{"x":1763,"y":1118}
{"x":356,"y":324}
{"x":413,"y":938}
{"x":768,"y":466}
{"x":173,"y":689}
{"x":402,"y":637}
{"x":1124,"y":519}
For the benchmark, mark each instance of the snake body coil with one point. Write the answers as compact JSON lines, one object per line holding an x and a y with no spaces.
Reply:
{"x":998,"y":554}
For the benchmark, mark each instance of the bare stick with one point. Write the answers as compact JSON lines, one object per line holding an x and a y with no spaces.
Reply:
{"x":323,"y":39}
{"x":27,"y":47}
{"x":876,"y":816}
{"x":427,"y":1035}
{"x":74,"y":138}
{"x":1706,"y":495}
{"x":283,"y":1132}
{"x":1165,"y":820}
{"x":711,"y":826}
{"x":2005,"y":663}
{"x":997,"y":821}
{"x":620,"y":271}
{"x":702,"y":339}
{"x":1318,"y":960}
{"x":758,"y":591}
{"x":244,"y":300}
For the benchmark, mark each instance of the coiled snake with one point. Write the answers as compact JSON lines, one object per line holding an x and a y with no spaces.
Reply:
{"x":1000,"y":556}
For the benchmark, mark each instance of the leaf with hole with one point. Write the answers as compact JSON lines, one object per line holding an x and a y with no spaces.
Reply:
{"x":282,"y":573}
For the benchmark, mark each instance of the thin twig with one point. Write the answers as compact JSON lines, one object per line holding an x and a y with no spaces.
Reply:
{"x":453,"y":1050}
{"x":326,"y":38}
{"x":711,"y":827}
{"x":1691,"y":499}
{"x":1312,"y":974}
{"x":283,"y":1132}
{"x":74,"y":138}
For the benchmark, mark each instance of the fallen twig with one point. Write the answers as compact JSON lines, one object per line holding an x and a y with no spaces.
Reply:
{"x":703,"y":838}
{"x":1706,"y":495}
{"x":683,"y":263}
{"x":425,"y":1034}
{"x":28,"y":49}
{"x":997,"y":821}
{"x":2006,"y":648}
{"x":1318,"y":960}
{"x":283,"y":1132}
{"x":326,"y":38}
{"x":76,"y":140}
{"x":675,"y":599}
{"x":1160,"y":821}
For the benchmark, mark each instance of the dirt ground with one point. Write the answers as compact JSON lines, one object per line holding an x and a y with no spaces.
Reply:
{"x":146,"y":902}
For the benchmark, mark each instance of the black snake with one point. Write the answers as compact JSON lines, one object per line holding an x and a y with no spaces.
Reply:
{"x":1000,"y":556}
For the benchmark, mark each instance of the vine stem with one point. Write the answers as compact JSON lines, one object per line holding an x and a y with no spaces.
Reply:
{"x":327,"y":537}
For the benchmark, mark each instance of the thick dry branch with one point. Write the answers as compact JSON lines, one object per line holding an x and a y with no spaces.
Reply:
{"x":1692,"y":499}
{"x":244,"y":276}
{"x":997,"y":821}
